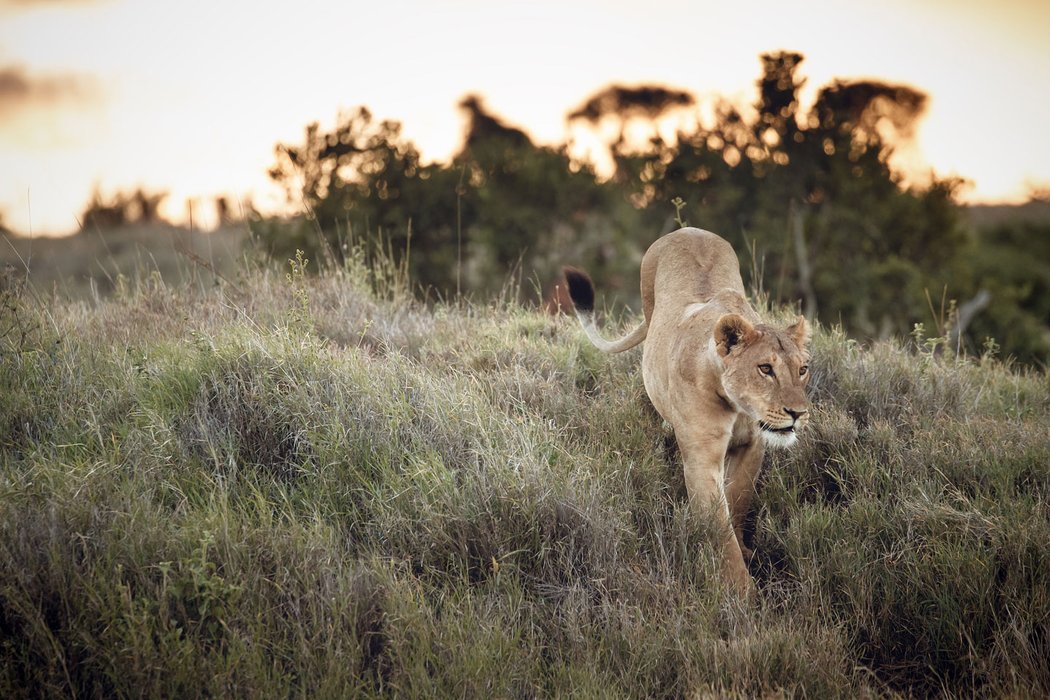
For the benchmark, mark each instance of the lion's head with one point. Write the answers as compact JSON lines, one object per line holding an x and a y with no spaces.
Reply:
{"x":765,"y":372}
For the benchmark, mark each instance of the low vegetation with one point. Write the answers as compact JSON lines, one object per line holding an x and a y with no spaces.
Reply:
{"x":99,"y":263}
{"x":313,"y":486}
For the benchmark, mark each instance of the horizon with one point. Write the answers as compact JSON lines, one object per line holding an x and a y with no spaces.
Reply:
{"x":192,"y":100}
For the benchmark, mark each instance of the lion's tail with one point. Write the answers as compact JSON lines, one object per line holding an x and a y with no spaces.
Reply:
{"x":581,"y":290}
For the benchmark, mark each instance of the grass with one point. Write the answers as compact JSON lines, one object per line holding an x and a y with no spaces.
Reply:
{"x":97,"y":263}
{"x":297,"y":486}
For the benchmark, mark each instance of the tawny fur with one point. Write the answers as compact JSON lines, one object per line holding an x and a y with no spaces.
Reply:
{"x":725,"y":382}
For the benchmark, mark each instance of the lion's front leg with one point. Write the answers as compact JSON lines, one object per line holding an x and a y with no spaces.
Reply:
{"x":743,"y":463}
{"x":703,"y":460}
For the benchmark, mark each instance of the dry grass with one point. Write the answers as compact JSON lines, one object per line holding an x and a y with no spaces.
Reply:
{"x":97,"y":264}
{"x":300,"y":486}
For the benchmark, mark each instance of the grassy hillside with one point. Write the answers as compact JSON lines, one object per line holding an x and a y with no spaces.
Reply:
{"x":95,"y":262}
{"x":305,"y":486}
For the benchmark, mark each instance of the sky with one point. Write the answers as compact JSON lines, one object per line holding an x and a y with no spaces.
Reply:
{"x":191,"y":97}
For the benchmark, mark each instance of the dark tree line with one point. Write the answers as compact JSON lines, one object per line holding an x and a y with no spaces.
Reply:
{"x":121,"y":209}
{"x":808,"y":198}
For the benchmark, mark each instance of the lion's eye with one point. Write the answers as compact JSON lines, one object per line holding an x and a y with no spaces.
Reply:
{"x":766,"y":370}
{"x":802,"y":370}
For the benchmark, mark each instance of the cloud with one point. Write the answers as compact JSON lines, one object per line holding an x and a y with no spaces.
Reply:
{"x":20,"y":89}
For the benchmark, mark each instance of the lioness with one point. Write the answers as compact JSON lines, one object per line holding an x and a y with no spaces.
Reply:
{"x":726,"y":383}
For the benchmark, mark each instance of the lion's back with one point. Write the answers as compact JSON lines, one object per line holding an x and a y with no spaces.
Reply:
{"x":691,"y":265}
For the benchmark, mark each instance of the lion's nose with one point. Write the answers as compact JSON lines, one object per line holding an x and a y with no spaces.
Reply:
{"x":795,"y":414}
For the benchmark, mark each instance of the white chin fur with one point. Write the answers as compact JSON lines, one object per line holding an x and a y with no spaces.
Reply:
{"x":781,"y":440}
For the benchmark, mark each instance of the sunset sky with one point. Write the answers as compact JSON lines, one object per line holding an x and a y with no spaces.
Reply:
{"x":190,"y":97}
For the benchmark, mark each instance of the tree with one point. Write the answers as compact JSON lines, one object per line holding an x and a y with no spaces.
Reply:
{"x":1010,"y":261}
{"x":810,"y":199}
{"x":364,"y":179}
{"x":814,"y":195}
{"x":518,"y":197}
{"x":122,"y":209}
{"x":464,"y":225}
{"x":619,"y":106}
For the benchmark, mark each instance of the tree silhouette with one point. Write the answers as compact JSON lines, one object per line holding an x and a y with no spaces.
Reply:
{"x":484,"y":130}
{"x":364,"y":179}
{"x":621,"y":106}
{"x":621,"y":102}
{"x":518,"y":196}
{"x":777,"y":129}
{"x":814,"y":196}
{"x":122,"y":209}
{"x":809,"y":198}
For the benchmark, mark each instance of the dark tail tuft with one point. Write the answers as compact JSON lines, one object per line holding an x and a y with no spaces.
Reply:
{"x":581,"y":289}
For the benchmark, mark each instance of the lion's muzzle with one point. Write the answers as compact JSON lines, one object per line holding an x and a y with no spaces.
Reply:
{"x":784,"y":432}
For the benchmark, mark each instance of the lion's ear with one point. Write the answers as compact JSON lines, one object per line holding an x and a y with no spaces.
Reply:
{"x":732,"y":330}
{"x":800,"y":332}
